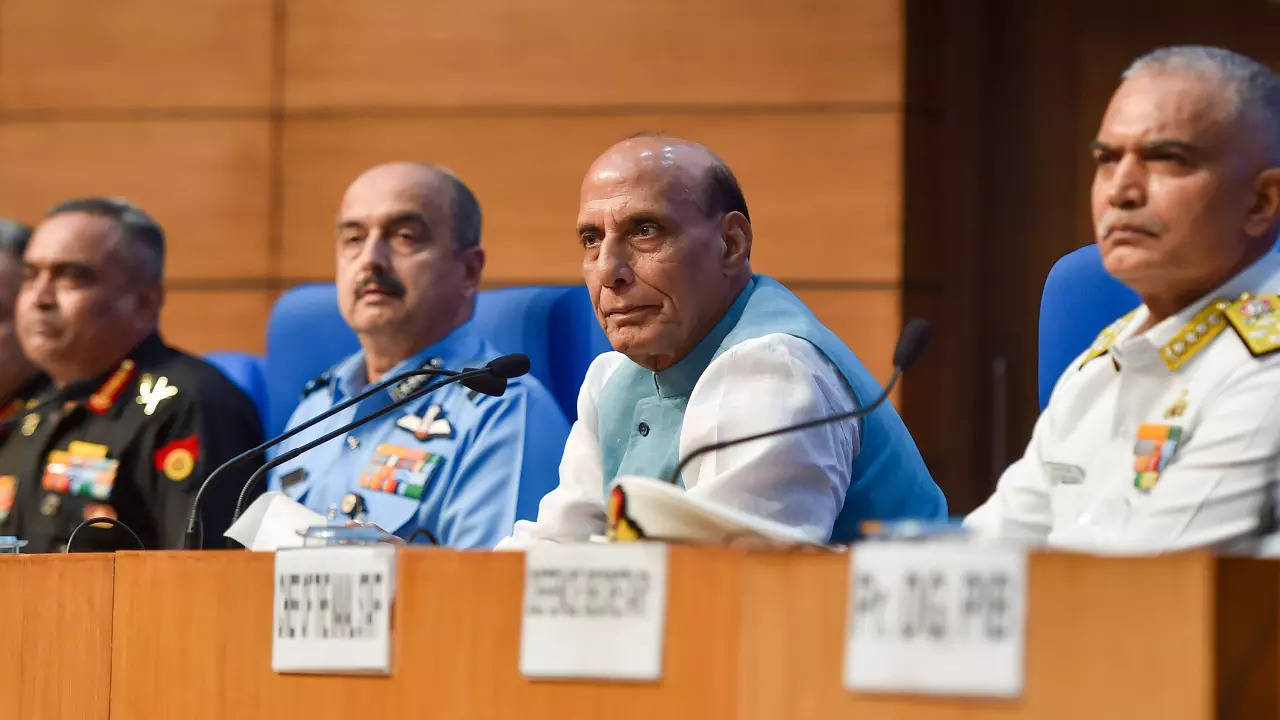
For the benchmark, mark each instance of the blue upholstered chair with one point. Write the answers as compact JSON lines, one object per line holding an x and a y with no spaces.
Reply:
{"x":305,"y":336}
{"x":1079,"y":300}
{"x":555,"y":326}
{"x":248,"y":372}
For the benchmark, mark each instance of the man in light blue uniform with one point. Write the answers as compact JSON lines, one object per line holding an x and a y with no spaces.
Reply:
{"x":707,"y":351}
{"x":455,"y":464}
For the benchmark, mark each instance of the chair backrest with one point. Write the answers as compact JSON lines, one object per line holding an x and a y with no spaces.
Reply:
{"x":1079,"y":300}
{"x":248,"y":372}
{"x":306,"y":335}
{"x":554,"y":325}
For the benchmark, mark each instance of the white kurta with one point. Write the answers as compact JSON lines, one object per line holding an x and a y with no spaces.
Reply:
{"x":1077,"y":485}
{"x":799,"y":478}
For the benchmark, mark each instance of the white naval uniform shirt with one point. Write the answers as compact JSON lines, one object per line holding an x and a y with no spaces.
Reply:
{"x":799,"y":478}
{"x":1077,"y":485}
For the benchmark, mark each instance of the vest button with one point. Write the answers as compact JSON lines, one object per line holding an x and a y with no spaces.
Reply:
{"x":644,"y":429}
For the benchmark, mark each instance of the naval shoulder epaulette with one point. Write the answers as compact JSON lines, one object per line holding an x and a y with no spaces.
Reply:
{"x":1196,"y":334}
{"x":1106,"y":338}
{"x":1256,"y":319}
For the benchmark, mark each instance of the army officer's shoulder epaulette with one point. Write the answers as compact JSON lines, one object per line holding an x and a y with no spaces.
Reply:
{"x":323,"y":380}
{"x":1256,"y":319}
{"x":1106,"y":338}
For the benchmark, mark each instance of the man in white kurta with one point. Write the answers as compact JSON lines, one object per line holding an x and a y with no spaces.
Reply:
{"x":708,"y":351}
{"x":1165,"y":434}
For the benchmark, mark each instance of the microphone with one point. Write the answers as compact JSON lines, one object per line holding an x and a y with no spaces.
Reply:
{"x":911,"y":344}
{"x":475,"y":382}
{"x":500,"y":370}
{"x":505,"y":367}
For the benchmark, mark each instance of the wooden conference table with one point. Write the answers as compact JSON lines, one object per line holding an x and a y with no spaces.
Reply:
{"x":750,"y":634}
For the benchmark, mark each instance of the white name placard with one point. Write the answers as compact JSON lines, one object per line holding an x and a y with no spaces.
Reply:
{"x":594,"y":611}
{"x":333,"y":610}
{"x":936,"y":618}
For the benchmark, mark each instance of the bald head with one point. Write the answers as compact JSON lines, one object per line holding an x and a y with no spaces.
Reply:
{"x":698,"y":173}
{"x":666,"y":241}
{"x":430,"y":186}
{"x":408,"y":259}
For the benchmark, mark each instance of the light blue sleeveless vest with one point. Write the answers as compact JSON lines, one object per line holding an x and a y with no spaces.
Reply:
{"x":641,"y":413}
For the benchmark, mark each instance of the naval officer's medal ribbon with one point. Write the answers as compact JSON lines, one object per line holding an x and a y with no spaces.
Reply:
{"x":1152,"y":452}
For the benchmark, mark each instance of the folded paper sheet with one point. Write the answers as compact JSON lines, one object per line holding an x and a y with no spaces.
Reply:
{"x":272,"y":522}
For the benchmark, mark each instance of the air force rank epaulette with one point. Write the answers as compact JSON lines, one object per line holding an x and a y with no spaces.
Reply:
{"x":409,"y":386}
{"x":1256,"y":318}
{"x":318,"y":382}
{"x":1106,"y":338}
{"x":1195,"y":335}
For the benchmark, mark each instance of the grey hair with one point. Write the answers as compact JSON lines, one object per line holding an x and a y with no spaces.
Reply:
{"x":465,"y":209}
{"x":1254,"y":89}
{"x":13,"y":238}
{"x":145,"y":236}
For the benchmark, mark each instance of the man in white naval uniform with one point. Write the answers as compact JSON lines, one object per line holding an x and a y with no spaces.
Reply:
{"x":1165,"y":434}
{"x":707,"y":351}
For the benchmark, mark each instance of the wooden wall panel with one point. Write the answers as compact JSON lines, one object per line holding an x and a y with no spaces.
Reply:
{"x":55,"y":636}
{"x":206,"y":182}
{"x":413,"y":53}
{"x":135,"y":54}
{"x":823,"y":188}
{"x":201,"y":321}
{"x":867,"y":320}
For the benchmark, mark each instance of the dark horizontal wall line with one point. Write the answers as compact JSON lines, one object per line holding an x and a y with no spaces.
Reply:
{"x":271,"y":283}
{"x":21,"y":115}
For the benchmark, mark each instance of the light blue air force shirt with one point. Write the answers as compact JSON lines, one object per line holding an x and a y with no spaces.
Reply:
{"x":462,"y":465}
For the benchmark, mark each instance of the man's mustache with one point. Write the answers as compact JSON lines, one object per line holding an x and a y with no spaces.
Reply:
{"x":1117,"y":219}
{"x":381,"y":283}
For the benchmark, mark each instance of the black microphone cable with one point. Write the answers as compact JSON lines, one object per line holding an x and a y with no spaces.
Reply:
{"x":113,"y":522}
{"x":911,"y":344}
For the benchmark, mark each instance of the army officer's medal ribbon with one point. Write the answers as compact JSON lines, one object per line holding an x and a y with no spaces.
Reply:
{"x":8,"y":491}
{"x":82,"y":469}
{"x":1151,"y":454}
{"x":177,"y":460}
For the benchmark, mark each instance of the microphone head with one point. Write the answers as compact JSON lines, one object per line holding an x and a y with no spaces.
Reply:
{"x":508,"y":366}
{"x":911,"y":343}
{"x":487,"y":384}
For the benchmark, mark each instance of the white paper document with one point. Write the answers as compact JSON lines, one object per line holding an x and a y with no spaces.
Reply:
{"x":273,"y":522}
